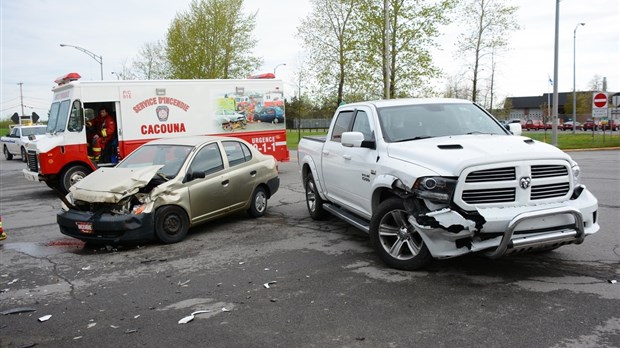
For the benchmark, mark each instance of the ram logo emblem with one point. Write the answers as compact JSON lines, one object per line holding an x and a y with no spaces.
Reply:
{"x":525,"y":182}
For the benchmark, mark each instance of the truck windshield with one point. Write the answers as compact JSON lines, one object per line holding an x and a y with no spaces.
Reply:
{"x":411,"y":122}
{"x":59,"y":111}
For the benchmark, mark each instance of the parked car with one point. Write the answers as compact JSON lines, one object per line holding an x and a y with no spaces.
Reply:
{"x":273,"y":114}
{"x":610,"y":124}
{"x":534,"y":125}
{"x":590,"y":124}
{"x":568,"y":125}
{"x":548,"y":125}
{"x":15,"y":143}
{"x":167,"y":186}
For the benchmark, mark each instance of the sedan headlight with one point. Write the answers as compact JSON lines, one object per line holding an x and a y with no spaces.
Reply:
{"x":435,"y":188}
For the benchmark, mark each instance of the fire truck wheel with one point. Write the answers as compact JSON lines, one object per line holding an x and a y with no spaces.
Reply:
{"x":7,"y":154}
{"x":72,"y":175}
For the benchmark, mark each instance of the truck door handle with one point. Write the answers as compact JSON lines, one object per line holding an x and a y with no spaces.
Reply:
{"x":325,"y":152}
{"x":347,"y":157}
{"x":253,"y":173}
{"x":225,"y":182}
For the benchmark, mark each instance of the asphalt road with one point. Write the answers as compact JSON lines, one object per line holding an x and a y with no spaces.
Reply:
{"x":326,"y":286}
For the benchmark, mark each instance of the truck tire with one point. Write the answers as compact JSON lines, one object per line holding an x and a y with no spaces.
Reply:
{"x":71,"y":176}
{"x":7,"y":154}
{"x":171,"y":224}
{"x":258,"y":205}
{"x":314,"y":202}
{"x":396,"y":241}
{"x":24,"y":154}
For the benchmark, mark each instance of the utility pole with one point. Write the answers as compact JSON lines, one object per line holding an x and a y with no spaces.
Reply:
{"x":386,"y":53}
{"x":21,"y":97}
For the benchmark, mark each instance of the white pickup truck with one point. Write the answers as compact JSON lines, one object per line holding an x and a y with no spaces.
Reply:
{"x":14,"y":143}
{"x":439,"y":178}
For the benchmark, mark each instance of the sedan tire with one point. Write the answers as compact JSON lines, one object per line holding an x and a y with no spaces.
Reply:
{"x":171,"y":224}
{"x":258,"y":205}
{"x":396,"y":241}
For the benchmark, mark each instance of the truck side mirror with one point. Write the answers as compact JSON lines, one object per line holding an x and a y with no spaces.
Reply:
{"x":514,"y":128}
{"x":352,"y":139}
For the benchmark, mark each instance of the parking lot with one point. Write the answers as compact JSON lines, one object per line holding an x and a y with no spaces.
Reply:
{"x":286,"y":280}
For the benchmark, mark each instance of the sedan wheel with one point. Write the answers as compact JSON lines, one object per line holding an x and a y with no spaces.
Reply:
{"x":171,"y":224}
{"x":258,"y":206}
{"x":394,"y":238}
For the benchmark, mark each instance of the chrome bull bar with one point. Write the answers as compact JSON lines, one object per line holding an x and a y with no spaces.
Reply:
{"x":576,"y":235}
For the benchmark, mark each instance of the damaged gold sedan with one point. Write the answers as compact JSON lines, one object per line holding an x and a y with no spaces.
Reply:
{"x":167,"y":186}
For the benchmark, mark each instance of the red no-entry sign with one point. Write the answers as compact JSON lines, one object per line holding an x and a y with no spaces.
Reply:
{"x":600,"y":100}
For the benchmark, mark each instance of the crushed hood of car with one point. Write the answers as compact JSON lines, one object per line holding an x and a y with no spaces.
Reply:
{"x":110,"y":185}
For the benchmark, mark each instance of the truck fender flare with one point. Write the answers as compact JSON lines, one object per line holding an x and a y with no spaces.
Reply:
{"x":382,"y":184}
{"x":308,"y":162}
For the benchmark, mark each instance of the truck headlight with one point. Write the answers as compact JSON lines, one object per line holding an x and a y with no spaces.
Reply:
{"x":435,"y":188}
{"x":576,"y":174}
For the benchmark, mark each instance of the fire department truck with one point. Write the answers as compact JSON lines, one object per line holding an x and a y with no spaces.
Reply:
{"x":144,"y":111}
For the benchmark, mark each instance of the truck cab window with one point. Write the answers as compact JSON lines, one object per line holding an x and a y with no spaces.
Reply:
{"x":76,"y":119}
{"x":343,"y":124}
{"x":362,"y":125}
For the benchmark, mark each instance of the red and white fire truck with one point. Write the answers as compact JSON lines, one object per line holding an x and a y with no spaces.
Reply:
{"x":147,"y":110}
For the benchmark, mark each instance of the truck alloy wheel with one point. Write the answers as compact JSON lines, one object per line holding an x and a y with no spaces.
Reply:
{"x":395,"y":240}
{"x":7,"y":154}
{"x":314,"y":202}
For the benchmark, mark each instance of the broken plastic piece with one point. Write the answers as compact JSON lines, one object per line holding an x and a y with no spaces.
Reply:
{"x":87,"y":268}
{"x":613,"y":281}
{"x":225,"y":309}
{"x":266,"y":285}
{"x":183,"y":284}
{"x":190,"y":317}
{"x":128,"y":331}
{"x":12,"y":281}
{"x":18,"y":310}
{"x":45,"y":318}
{"x":91,"y":325}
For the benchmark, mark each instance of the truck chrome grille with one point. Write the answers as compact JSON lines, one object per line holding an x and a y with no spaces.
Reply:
{"x":514,"y":183}
{"x":495,"y":174}
{"x":33,"y":164}
{"x":549,"y":191}
{"x":500,"y":195}
{"x":548,"y":171}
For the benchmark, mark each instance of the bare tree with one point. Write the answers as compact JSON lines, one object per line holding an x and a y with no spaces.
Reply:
{"x":151,"y":62}
{"x":487,"y":25}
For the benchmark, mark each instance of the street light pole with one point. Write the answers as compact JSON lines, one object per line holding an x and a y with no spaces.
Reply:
{"x":276,"y":68}
{"x":97,"y":58}
{"x":555,"y":74}
{"x":575,"y":77}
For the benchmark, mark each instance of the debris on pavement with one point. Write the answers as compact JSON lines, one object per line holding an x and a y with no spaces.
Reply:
{"x":18,"y":310}
{"x":45,"y":318}
{"x":190,"y":317}
{"x":87,"y":268}
{"x":91,"y":325}
{"x":12,"y":281}
{"x":225,"y":309}
{"x":183,"y":284}
{"x":266,"y":285}
{"x":612,"y":281}
{"x":128,"y":331}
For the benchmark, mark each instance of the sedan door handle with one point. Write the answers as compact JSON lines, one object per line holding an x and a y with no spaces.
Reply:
{"x":347,"y":157}
{"x":225,"y":182}
{"x":253,"y":173}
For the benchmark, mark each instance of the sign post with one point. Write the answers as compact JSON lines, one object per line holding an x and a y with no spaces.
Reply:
{"x":599,"y":104}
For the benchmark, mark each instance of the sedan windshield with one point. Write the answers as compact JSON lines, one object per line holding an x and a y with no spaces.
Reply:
{"x":171,"y":157}
{"x":413,"y":122}
{"x":26,"y":131}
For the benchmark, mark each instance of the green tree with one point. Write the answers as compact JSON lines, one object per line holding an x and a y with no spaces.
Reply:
{"x":213,"y":39}
{"x":151,"y":62}
{"x":413,"y":27}
{"x":487,"y":26}
{"x":329,"y":35}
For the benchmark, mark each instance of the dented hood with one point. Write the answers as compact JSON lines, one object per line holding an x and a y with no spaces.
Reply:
{"x":451,"y":154}
{"x":110,"y":185}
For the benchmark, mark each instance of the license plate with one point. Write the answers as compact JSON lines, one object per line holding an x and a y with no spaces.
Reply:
{"x":85,"y":227}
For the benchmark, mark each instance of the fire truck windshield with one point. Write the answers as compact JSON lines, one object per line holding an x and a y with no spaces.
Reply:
{"x":59,"y":111}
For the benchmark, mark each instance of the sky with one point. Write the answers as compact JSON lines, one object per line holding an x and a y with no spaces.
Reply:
{"x":32,"y":30}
